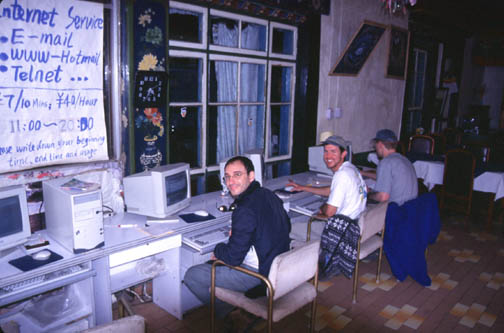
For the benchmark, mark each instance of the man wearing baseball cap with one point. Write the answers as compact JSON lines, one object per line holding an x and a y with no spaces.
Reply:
{"x":395,"y":176}
{"x":347,"y":193}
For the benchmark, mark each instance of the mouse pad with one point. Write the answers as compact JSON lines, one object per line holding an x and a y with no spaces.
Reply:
{"x":191,"y":217}
{"x":27,"y":263}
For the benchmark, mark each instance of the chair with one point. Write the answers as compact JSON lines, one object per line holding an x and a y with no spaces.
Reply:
{"x":421,"y":144}
{"x":439,"y":143}
{"x":372,"y":230}
{"x":458,"y":180}
{"x":287,"y":284}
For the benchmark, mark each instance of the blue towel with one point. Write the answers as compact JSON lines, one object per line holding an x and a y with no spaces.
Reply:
{"x":409,"y":229}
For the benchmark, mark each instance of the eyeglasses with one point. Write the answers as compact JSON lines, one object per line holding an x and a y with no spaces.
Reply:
{"x":235,"y":175}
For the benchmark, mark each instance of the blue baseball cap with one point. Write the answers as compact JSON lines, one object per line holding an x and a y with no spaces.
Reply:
{"x":385,"y":135}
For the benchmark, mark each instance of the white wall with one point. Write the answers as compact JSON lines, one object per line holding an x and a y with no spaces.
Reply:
{"x":368,"y":101}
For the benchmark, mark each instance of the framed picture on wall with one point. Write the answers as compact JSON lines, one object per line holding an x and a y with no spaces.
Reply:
{"x":358,"y":49}
{"x":398,"y":53}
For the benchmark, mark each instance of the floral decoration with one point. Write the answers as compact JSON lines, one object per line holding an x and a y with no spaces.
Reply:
{"x":146,"y":18}
{"x":151,"y":121}
{"x":151,"y":62}
{"x":153,"y":36}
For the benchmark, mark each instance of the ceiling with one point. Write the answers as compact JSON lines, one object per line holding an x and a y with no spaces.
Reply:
{"x":478,"y":18}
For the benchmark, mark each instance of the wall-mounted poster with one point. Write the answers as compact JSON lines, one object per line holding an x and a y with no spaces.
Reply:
{"x":359,"y":49}
{"x":398,"y":53}
{"x":51,"y":84}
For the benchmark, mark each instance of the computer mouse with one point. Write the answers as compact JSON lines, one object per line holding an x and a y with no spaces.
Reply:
{"x":201,"y":212}
{"x":289,"y":188}
{"x":41,"y":255}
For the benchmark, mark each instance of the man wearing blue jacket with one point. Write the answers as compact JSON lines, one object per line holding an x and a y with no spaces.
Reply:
{"x":259,"y":232}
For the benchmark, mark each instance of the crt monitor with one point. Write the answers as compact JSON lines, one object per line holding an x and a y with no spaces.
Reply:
{"x":158,"y":192}
{"x":14,"y":219}
{"x":316,"y":159}
{"x":257,"y":160}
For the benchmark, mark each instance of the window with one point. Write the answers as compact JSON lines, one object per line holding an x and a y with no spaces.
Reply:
{"x":187,"y":25}
{"x":283,"y":41}
{"x":237,"y":33}
{"x":235,"y":97}
{"x":187,"y":108}
{"x":236,"y":106}
{"x":281,"y":105}
{"x":417,"y":80}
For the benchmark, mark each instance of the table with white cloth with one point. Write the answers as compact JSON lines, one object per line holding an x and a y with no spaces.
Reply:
{"x":432,"y":174}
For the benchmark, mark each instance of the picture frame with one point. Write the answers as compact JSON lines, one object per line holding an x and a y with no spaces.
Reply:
{"x":359,"y":49}
{"x":398,"y":52}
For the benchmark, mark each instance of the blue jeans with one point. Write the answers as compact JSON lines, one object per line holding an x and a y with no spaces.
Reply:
{"x":198,"y":280}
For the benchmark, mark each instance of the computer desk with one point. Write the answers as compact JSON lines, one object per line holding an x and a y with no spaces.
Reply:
{"x":131,"y":256}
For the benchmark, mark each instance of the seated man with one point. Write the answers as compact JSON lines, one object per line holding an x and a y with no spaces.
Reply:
{"x":259,"y":232}
{"x":395,"y":176}
{"x":347,"y":193}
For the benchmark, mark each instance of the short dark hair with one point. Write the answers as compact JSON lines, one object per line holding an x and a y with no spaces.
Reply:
{"x":247,"y":163}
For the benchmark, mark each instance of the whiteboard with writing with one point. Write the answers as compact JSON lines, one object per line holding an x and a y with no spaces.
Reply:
{"x":51,"y":83}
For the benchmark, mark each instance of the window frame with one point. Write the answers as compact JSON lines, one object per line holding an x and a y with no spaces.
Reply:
{"x":239,"y":18}
{"x":204,"y":24}
{"x":294,"y":41}
{"x":203,"y":103}
{"x":416,"y":52}
{"x":240,"y":60}
{"x":268,"y":112}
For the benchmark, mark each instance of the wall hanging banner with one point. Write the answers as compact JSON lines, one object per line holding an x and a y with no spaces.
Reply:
{"x":51,"y":83}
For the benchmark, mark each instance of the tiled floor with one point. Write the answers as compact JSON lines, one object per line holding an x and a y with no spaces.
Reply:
{"x":467,"y":294}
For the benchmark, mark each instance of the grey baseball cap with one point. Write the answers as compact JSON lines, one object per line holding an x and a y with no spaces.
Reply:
{"x":335,"y":140}
{"x":385,"y":135}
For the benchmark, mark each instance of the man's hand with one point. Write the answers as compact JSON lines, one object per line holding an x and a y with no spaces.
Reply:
{"x":295,"y":186}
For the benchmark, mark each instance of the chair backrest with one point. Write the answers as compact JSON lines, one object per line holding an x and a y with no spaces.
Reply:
{"x":292,"y":268}
{"x":421,"y":144}
{"x":372,"y":220}
{"x":458,"y":175}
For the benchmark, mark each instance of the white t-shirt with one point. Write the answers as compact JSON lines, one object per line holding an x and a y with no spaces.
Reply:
{"x":348,"y":191}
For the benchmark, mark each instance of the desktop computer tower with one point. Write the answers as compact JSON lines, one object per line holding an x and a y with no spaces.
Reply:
{"x":73,"y":218}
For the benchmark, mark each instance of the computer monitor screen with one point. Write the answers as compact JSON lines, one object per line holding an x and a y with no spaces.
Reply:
{"x":159,"y":192}
{"x":14,"y":219}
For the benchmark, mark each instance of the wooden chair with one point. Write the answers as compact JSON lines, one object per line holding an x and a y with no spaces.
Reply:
{"x":421,"y":144}
{"x":458,"y":181}
{"x":287,"y":284}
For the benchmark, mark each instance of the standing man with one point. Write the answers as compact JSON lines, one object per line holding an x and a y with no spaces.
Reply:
{"x":347,"y":193}
{"x":396,"y":179}
{"x":259,"y":232}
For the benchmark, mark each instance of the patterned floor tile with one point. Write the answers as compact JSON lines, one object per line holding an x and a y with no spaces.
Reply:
{"x":472,"y":315}
{"x":386,"y":282}
{"x":323,"y":285}
{"x":483,"y":236}
{"x":403,"y":316}
{"x":494,"y":281}
{"x":444,"y":236}
{"x":442,"y":280}
{"x":464,"y":255}
{"x":330,"y":317}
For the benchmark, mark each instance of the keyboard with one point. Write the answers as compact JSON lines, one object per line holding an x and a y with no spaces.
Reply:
{"x":308,"y":206}
{"x":206,"y":239}
{"x":25,"y":284}
{"x":42,"y":279}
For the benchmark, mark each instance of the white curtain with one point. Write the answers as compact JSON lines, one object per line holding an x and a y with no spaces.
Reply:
{"x":251,"y":118}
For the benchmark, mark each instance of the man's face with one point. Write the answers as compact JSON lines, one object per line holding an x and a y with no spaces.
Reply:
{"x":333,"y":157}
{"x":237,"y":179}
{"x":380,"y":148}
